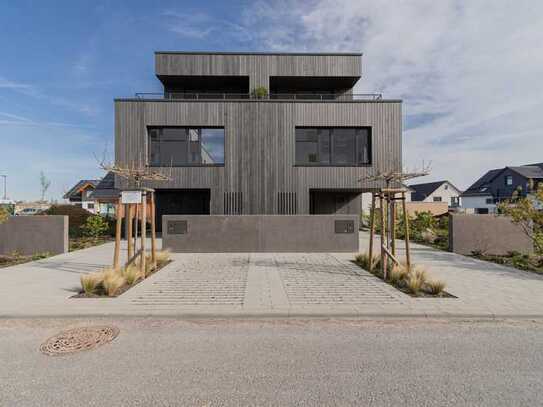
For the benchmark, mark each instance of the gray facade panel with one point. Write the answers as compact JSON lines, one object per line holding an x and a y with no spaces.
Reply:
{"x":260,"y":147}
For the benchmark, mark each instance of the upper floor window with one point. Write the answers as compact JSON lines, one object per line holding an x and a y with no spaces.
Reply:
{"x":339,"y":146}
{"x":437,"y":199}
{"x":509,"y":180}
{"x":185,"y":146}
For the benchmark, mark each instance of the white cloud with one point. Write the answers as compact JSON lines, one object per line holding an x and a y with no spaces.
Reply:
{"x":469,"y":72}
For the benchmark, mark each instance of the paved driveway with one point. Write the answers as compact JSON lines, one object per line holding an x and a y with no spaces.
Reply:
{"x":270,"y":284}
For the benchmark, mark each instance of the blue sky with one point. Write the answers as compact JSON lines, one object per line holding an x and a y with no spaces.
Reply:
{"x":469,"y":73}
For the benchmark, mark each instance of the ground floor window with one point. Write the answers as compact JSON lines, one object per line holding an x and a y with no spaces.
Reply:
{"x":333,"y":146}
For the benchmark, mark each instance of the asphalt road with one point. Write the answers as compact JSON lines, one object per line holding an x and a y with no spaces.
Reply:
{"x":238,"y":363}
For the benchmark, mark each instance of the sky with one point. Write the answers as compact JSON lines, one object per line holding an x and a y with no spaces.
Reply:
{"x":470,"y":74}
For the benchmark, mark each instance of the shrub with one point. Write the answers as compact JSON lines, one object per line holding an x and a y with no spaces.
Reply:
{"x":260,"y":92}
{"x":77,"y":217}
{"x":40,"y":256}
{"x":95,"y":226}
{"x":113,"y":280}
{"x":3,"y":215}
{"x":428,"y":236}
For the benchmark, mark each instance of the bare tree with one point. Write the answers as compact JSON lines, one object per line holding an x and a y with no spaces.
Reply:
{"x":45,"y":183}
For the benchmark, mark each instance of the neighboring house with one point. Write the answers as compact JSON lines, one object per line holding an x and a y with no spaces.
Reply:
{"x":500,"y":184}
{"x":440,"y":191}
{"x":366,"y":200}
{"x":105,"y":195}
{"x":259,"y":133}
{"x":79,"y":194}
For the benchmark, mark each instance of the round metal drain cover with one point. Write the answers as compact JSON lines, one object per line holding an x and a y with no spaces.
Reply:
{"x":78,"y":339}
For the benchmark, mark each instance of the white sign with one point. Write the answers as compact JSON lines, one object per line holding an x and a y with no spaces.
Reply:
{"x":131,"y":197}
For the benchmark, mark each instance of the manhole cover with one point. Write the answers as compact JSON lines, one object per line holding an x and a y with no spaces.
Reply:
{"x":78,"y":339}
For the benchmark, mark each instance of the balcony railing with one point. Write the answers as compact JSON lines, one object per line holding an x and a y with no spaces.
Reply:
{"x":271,"y":96}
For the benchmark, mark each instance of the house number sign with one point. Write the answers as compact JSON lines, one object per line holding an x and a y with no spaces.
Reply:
{"x":131,"y":197}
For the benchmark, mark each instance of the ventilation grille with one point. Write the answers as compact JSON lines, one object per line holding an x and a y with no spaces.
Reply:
{"x":286,"y":203}
{"x":233,"y":203}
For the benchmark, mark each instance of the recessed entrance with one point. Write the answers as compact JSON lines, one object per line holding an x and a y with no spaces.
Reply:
{"x":333,"y":202}
{"x":181,"y":202}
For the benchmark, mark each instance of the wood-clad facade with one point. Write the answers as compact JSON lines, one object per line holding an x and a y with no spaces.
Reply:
{"x":260,"y":174}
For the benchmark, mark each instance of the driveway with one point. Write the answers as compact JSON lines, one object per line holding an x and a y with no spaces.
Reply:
{"x":270,"y":284}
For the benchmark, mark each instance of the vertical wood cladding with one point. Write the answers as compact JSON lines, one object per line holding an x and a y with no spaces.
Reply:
{"x":260,"y":148}
{"x":257,"y":66}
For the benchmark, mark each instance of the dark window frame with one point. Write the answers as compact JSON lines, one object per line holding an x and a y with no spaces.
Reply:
{"x":149,"y":163}
{"x":369,"y":163}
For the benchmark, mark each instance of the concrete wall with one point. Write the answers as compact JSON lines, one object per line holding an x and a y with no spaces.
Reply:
{"x":34,"y":234}
{"x":259,"y":233}
{"x":486,"y":233}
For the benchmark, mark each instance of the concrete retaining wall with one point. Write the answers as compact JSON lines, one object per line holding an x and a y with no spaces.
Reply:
{"x":260,"y":233}
{"x":489,"y":234}
{"x":34,"y":234}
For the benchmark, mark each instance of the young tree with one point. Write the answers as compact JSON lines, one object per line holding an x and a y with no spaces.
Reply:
{"x":45,"y":184}
{"x":527,"y":213}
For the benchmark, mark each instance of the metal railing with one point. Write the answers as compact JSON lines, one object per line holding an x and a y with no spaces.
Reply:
{"x":271,"y":96}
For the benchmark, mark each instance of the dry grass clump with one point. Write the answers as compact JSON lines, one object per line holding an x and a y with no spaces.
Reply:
{"x":435,"y":287}
{"x":363,"y":260}
{"x":113,"y":280}
{"x":131,"y":274}
{"x":162,"y":256}
{"x":91,"y":281}
{"x":414,"y":280}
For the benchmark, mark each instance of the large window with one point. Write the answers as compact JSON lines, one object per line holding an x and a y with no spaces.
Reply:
{"x":340,"y":146}
{"x":185,"y":146}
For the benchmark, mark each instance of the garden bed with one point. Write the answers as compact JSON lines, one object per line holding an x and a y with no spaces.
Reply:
{"x":79,"y":243}
{"x":516,"y":260}
{"x":414,"y":282}
{"x":110,"y":283}
{"x":15,"y":259}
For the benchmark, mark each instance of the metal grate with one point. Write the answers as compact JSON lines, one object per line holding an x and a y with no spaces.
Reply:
{"x":78,"y":339}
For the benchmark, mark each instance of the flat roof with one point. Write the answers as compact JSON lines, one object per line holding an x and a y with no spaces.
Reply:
{"x":357,"y":54}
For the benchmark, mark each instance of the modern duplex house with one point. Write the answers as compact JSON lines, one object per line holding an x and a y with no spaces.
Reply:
{"x":259,"y":133}
{"x":499,"y":184}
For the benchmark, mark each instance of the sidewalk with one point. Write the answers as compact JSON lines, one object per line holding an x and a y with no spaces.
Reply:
{"x":244,"y":285}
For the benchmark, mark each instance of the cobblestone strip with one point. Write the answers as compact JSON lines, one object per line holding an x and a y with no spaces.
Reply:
{"x":322,"y":279}
{"x":199,"y":279}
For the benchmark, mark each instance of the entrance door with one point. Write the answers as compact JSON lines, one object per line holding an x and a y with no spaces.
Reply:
{"x":181,"y":202}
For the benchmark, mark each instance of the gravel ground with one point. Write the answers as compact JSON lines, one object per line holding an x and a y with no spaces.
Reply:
{"x":315,"y":362}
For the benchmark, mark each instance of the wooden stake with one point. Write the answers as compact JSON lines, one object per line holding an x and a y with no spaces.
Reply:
{"x":129,"y":231}
{"x":372,"y":230}
{"x":382,"y":203}
{"x":143,"y":230}
{"x":406,"y":231}
{"x":118,"y":225}
{"x":153,"y":229}
{"x":393,"y":226}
